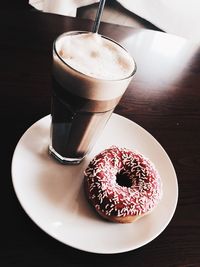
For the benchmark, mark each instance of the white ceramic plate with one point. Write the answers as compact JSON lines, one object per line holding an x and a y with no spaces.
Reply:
{"x":53,"y":196}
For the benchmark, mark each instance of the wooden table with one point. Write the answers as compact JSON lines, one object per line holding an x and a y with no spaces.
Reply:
{"x":163,"y":98}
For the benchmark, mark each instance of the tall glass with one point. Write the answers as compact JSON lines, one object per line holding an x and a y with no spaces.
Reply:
{"x":81,"y":105}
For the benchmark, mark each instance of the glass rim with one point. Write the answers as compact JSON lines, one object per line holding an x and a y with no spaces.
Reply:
{"x":86,"y":75}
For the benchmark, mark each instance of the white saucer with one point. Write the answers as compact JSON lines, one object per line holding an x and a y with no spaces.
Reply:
{"x":53,"y":196}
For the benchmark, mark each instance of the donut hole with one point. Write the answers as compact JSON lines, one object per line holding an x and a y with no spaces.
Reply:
{"x":123,"y":180}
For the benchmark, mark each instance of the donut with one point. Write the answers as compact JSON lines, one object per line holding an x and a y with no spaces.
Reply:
{"x":122,"y":185}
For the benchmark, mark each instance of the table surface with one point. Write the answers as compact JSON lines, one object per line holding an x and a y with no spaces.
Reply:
{"x":163,"y":98}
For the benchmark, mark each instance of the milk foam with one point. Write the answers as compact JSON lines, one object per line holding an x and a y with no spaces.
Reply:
{"x":92,"y":66}
{"x":95,"y":56}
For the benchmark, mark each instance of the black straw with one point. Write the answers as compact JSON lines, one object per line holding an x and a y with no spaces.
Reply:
{"x":98,"y":16}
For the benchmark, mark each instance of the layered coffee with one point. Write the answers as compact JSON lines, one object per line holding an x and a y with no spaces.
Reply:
{"x":90,"y":74}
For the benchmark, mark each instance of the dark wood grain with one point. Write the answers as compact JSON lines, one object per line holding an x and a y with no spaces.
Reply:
{"x":163,"y":98}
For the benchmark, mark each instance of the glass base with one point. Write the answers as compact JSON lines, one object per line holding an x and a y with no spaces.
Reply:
{"x":63,"y":160}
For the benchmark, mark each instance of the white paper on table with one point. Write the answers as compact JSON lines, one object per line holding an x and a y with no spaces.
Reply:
{"x":61,"y":7}
{"x":180,"y":17}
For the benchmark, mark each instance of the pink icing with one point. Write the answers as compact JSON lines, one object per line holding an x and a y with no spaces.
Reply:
{"x":113,"y":199}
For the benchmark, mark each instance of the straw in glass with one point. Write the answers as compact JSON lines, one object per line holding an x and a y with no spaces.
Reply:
{"x":99,"y":13}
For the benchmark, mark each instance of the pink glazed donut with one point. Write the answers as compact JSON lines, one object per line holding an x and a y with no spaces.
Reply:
{"x":122,"y":185}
